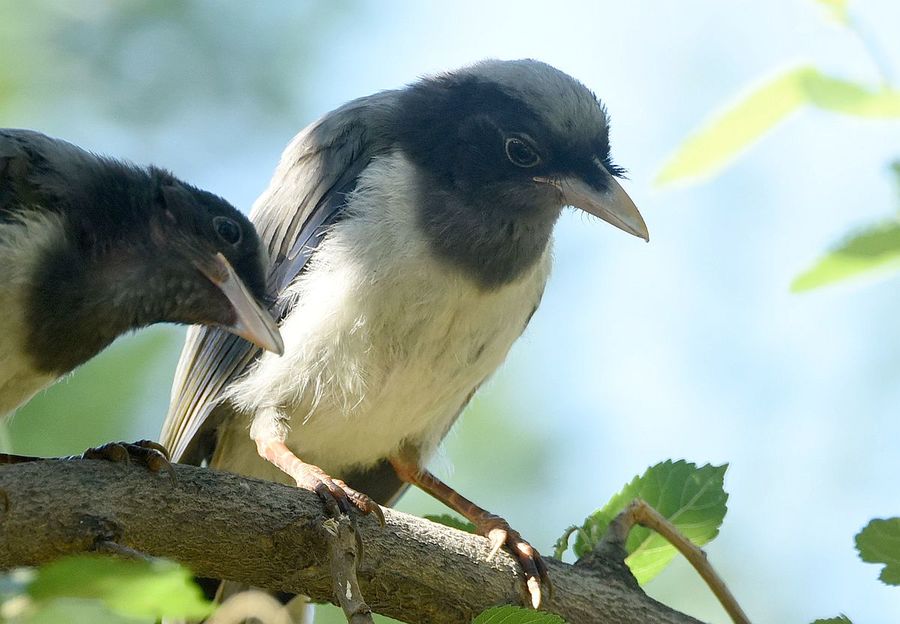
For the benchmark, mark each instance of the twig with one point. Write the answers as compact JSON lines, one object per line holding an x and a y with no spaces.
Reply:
{"x":346,"y":549}
{"x":639,"y":512}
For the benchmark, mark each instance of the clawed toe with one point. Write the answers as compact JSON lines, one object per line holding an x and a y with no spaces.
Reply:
{"x":147,"y":453}
{"x":499,"y":534}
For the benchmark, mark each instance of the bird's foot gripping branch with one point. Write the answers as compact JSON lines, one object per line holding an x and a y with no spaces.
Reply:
{"x":269,"y":535}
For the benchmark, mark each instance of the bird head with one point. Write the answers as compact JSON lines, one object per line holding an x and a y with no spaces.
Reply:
{"x":511,"y":143}
{"x":217,"y":273}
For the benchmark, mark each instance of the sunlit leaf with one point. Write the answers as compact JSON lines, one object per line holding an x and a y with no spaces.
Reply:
{"x":841,"y":619}
{"x":691,"y":498}
{"x":837,"y":9}
{"x":843,"y":96}
{"x":140,"y":588}
{"x":879,"y":542}
{"x":516,"y":615}
{"x":721,"y":138}
{"x":451,"y":521}
{"x":725,"y":136}
{"x":78,"y":611}
{"x":877,"y":247}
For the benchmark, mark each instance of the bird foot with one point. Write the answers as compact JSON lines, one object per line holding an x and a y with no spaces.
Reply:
{"x":145,"y":453}
{"x":338,"y":496}
{"x":500,"y":534}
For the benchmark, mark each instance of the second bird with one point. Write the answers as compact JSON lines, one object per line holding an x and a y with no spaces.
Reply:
{"x":92,"y":247}
{"x":409,"y":234}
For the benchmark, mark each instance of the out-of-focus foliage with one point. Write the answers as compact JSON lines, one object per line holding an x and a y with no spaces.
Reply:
{"x":691,"y":498}
{"x":837,"y":9}
{"x":145,"y":61}
{"x":516,"y":615}
{"x":841,"y":619}
{"x":879,"y":542}
{"x":78,"y":588}
{"x":723,"y":137}
{"x":105,"y":391}
{"x":875,"y":248}
{"x":453,"y":522}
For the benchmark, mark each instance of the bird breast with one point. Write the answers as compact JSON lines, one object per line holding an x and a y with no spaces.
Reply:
{"x":25,"y":241}
{"x":386,"y":342}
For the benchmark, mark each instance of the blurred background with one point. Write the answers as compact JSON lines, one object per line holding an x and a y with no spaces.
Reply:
{"x":689,"y":347}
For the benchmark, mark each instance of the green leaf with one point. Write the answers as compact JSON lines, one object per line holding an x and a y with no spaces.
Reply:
{"x":516,"y":615}
{"x":841,"y":619}
{"x":849,"y":98}
{"x":141,"y":588}
{"x":691,"y":498}
{"x":876,"y":247}
{"x":452,"y":522}
{"x":837,"y":9}
{"x":725,"y":136}
{"x":879,"y":542}
{"x":78,"y":611}
{"x":722,"y":138}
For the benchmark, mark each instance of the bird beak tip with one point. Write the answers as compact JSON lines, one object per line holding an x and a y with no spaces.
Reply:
{"x":252,"y":323}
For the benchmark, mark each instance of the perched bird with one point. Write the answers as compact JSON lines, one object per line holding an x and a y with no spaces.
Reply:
{"x":409,"y":239}
{"x":91,"y":248}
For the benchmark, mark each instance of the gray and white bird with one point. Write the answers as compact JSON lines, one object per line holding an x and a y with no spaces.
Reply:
{"x":92,"y":247}
{"x":409,"y":234}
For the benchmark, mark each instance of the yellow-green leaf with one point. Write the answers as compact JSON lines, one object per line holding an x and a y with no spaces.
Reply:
{"x":140,"y":588}
{"x":849,"y":98}
{"x":837,"y":9}
{"x":875,"y":248}
{"x":724,"y":136}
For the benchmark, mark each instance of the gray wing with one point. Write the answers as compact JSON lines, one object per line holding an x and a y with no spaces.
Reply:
{"x":33,"y":166}
{"x":317,"y":171}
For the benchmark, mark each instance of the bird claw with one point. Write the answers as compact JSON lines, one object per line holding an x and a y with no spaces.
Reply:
{"x":497,"y":538}
{"x":339,"y":498}
{"x":500,"y":534}
{"x":147,"y":453}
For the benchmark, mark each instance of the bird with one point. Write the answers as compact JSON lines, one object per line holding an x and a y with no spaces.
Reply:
{"x":92,"y":247}
{"x":409,"y":236}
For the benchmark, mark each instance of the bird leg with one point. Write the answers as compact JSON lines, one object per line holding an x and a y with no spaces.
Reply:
{"x":489,"y":525}
{"x":146,"y":453}
{"x":337,"y":495}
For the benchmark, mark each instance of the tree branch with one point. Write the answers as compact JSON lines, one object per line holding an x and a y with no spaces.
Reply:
{"x":273,"y":536}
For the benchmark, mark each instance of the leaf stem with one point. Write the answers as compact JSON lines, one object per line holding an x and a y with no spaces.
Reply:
{"x":640,"y":512}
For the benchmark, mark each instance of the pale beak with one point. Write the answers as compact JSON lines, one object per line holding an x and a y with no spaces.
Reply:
{"x":253,"y":323}
{"x":613,"y":205}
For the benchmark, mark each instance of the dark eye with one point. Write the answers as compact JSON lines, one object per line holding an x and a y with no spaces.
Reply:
{"x":520,"y":153}
{"x":228,"y":230}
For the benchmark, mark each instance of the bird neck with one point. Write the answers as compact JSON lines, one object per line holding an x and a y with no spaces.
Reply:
{"x":491,"y":241}
{"x":81,"y":301}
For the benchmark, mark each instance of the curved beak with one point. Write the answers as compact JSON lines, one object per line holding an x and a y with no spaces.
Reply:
{"x":612,"y":205}
{"x":253,"y":323}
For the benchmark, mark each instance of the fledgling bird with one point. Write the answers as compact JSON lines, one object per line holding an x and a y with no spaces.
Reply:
{"x":91,"y":247}
{"x":409,"y":234}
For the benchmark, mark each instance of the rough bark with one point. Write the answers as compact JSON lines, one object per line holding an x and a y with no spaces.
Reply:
{"x":269,"y":535}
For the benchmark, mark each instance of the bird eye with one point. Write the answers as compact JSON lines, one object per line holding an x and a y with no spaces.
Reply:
{"x":228,"y":230}
{"x":520,"y":153}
